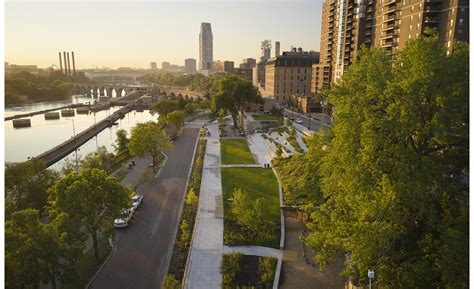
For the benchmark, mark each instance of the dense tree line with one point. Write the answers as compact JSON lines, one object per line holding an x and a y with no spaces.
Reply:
{"x":163,"y":78}
{"x":36,"y":88}
{"x":390,"y":190}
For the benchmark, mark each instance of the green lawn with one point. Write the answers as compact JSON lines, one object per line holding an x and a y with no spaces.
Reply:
{"x":265,"y":117}
{"x":235,"y":151}
{"x":259,"y":183}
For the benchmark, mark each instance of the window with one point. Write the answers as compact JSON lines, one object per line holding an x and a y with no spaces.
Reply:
{"x":461,"y":21}
{"x":409,"y":36}
{"x":449,"y":43}
{"x":411,"y":26}
{"x":452,"y":22}
{"x":419,"y":15}
{"x":411,"y":18}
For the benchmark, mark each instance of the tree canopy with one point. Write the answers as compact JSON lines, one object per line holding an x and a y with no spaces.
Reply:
{"x":232,"y":94}
{"x":149,"y":138}
{"x":175,"y":119}
{"x":392,"y":172}
{"x":26,"y":185}
{"x":36,"y":252}
{"x":90,"y":200}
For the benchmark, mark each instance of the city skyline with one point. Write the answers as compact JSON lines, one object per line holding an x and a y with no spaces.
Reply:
{"x":115,"y":36}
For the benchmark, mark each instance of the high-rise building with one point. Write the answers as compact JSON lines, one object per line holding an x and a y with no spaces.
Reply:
{"x":190,"y":65}
{"x":205,"y":47}
{"x":153,"y":65}
{"x":289,"y":74}
{"x":248,"y":63}
{"x":277,"y":48}
{"x":266,"y":49}
{"x":388,"y":24}
{"x":229,"y":66}
{"x":165,"y":65}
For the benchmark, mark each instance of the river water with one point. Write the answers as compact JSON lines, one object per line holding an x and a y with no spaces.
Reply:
{"x":24,"y":143}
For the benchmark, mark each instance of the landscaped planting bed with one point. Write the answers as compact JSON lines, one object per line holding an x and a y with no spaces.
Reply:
{"x":246,"y":271}
{"x":235,"y":151}
{"x":258,"y":183}
{"x":265,"y":117}
{"x":188,"y":217}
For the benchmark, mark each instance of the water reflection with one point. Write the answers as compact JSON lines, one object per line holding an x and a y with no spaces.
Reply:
{"x":20,"y":144}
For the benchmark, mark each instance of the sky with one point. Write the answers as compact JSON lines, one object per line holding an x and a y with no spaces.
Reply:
{"x":134,"y":33}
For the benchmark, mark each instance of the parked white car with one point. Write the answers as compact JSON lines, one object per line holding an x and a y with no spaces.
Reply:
{"x":298,"y":120}
{"x":124,"y":218}
{"x":137,"y":201}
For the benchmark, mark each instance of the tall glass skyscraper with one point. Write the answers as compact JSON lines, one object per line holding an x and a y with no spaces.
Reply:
{"x":205,"y":47}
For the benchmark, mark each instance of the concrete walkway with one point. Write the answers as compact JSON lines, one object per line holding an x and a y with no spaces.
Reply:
{"x":207,"y":245}
{"x":203,"y":270}
{"x":254,"y":250}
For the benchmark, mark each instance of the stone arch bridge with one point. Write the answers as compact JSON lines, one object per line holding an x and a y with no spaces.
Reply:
{"x":97,"y":90}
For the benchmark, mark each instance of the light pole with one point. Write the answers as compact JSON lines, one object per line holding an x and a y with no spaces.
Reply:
{"x":371,"y":275}
{"x":74,"y":136}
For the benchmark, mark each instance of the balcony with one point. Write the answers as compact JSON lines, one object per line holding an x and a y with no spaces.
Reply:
{"x":389,"y":27}
{"x":390,"y":10}
{"x":369,"y":10}
{"x":389,"y":19}
{"x":349,"y":19}
{"x":389,"y":2}
{"x":388,"y":36}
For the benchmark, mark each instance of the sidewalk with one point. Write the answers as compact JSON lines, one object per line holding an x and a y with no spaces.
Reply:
{"x":207,"y":245}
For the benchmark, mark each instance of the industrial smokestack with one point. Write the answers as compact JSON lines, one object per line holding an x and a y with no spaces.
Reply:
{"x":73,"y":64}
{"x":68,"y":65}
{"x":60,"y":63}
{"x":277,"y":48}
{"x":65,"y":63}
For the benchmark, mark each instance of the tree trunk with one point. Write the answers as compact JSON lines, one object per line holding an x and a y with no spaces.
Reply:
{"x":242,"y":112}
{"x":154,"y":163}
{"x":53,"y":283}
{"x":234,"y":117}
{"x":96,"y":247}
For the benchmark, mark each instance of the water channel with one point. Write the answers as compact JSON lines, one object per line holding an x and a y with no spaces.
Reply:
{"x":24,"y":143}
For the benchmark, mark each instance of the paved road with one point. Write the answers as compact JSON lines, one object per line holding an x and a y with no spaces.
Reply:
{"x":142,"y":252}
{"x":311,"y":123}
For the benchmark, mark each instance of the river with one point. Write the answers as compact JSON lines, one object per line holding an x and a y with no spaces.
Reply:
{"x":24,"y":143}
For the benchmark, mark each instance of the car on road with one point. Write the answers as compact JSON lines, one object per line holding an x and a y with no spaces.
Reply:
{"x":298,"y":120}
{"x":124,"y":218}
{"x":137,"y":201}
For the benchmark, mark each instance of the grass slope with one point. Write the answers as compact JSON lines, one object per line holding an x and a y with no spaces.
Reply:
{"x":259,"y":183}
{"x":235,"y":151}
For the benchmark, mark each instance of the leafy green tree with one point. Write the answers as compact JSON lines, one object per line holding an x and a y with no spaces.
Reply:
{"x":191,"y":107}
{"x":204,"y":104}
{"x":164,"y":106}
{"x":98,"y":159}
{"x":69,"y":165}
{"x":232,"y":94}
{"x":251,"y":215}
{"x":394,"y":198}
{"x":26,"y":185}
{"x":35,"y":252}
{"x":175,"y":120}
{"x":91,"y":200}
{"x":149,"y":138}
{"x":121,"y":143}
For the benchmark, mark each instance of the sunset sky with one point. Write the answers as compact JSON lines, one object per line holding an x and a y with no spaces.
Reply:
{"x":134,"y":33}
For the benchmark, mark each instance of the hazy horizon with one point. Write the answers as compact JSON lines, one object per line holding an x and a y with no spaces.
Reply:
{"x":133,"y":34}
